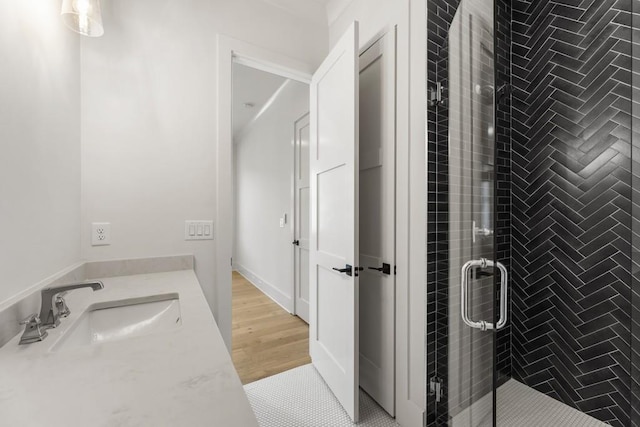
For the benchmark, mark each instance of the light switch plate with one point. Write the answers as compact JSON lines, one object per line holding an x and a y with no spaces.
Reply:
{"x":198,"y":230}
{"x":100,"y":234}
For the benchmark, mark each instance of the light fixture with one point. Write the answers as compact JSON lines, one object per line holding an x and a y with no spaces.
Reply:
{"x":83,"y":16}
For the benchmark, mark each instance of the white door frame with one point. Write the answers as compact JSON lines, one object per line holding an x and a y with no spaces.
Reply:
{"x":231,"y":50}
{"x":295,"y":218}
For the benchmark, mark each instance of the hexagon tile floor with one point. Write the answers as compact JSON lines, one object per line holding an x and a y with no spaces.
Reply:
{"x":300,"y":398}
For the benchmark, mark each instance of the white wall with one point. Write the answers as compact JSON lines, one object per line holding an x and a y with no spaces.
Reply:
{"x":410,"y":18}
{"x":372,"y":19}
{"x":40,"y":137}
{"x":264,"y":192}
{"x":149,"y":120}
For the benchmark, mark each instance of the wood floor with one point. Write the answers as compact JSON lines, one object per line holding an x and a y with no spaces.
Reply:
{"x":266,"y":340}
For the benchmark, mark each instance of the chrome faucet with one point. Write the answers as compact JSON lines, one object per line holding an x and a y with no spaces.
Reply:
{"x":53,"y":305}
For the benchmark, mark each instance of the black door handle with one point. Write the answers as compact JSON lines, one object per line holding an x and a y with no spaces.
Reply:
{"x":385,"y":269}
{"x":296,"y":242}
{"x":347,"y":269}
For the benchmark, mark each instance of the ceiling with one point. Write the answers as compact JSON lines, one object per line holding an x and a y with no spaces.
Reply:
{"x":251,"y":86}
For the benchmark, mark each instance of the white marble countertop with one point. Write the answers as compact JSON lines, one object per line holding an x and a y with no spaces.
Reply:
{"x":179,"y":377}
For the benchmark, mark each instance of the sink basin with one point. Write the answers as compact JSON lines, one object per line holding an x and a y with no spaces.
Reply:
{"x":118,"y":320}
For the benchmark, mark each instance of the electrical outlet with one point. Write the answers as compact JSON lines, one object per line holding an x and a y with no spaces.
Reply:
{"x":100,"y":234}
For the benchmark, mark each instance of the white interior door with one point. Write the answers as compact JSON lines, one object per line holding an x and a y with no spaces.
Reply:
{"x":333,"y":331}
{"x":302,"y":220}
{"x":377,"y":221}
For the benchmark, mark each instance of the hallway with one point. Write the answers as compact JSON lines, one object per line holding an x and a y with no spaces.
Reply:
{"x":266,"y":339}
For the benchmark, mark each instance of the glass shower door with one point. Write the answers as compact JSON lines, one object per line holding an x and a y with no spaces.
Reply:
{"x":475,"y":303}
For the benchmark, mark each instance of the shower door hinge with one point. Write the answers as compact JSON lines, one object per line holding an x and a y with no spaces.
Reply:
{"x":436,"y":95}
{"x":436,"y":386}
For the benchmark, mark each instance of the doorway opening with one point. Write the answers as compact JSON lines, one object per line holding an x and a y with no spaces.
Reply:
{"x":270,"y":334}
{"x":360,"y":120}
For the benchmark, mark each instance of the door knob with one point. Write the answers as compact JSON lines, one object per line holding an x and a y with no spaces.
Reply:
{"x":385,"y":269}
{"x":296,"y":242}
{"x":348,"y":269}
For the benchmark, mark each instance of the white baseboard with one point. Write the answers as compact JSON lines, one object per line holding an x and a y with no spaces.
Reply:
{"x":267,"y":288}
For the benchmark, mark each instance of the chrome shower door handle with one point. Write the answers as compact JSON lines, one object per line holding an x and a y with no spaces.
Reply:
{"x":464,"y":301}
{"x":502,"y":321}
{"x":464,"y":292}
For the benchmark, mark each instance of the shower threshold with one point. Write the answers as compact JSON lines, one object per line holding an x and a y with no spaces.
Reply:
{"x":522,"y":406}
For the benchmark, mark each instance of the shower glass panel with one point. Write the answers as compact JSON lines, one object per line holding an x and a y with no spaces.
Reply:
{"x":635,"y":217}
{"x":528,"y":166}
{"x":473,"y":312}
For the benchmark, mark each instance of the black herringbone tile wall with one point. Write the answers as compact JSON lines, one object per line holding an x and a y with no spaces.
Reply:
{"x":571,"y":213}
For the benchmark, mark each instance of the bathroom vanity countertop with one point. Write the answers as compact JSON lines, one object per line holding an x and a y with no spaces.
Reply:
{"x":178,"y":377}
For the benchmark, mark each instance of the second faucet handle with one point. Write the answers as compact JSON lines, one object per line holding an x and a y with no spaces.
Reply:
{"x":33,"y":319}
{"x":61,"y":305}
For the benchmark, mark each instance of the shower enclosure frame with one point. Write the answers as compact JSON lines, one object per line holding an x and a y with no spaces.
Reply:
{"x":438,"y":215}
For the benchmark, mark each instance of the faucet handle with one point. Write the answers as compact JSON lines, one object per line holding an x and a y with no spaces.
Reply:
{"x":61,"y":305}
{"x":33,"y":319}
{"x":33,"y":332}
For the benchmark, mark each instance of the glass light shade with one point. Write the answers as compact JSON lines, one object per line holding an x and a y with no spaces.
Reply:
{"x":83,"y":16}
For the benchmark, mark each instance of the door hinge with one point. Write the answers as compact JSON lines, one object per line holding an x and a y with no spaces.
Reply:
{"x":436,"y":388}
{"x":503,"y":92}
{"x":436,"y":95}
